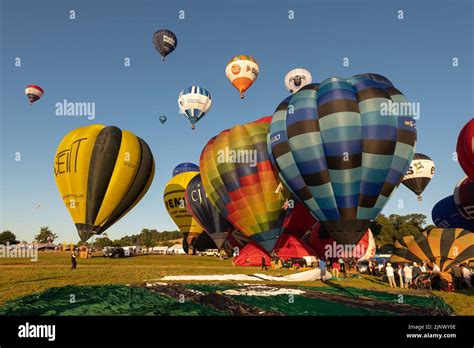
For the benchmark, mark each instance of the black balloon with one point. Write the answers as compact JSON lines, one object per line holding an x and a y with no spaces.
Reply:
{"x":165,"y":42}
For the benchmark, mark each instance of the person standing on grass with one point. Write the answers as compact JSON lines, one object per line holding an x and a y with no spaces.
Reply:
{"x":322,"y":268}
{"x":264,"y":264}
{"x":73,"y":259}
{"x":400,"y":275}
{"x":390,"y":275}
{"x":407,"y":271}
{"x":466,"y":274}
{"x":335,"y":269}
{"x":457,"y":274}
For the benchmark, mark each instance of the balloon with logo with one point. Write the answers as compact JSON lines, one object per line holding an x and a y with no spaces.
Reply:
{"x":296,"y":79}
{"x":445,"y":214}
{"x":207,"y":215}
{"x":242,"y":71}
{"x":194,"y":102}
{"x":339,"y":154}
{"x":465,"y":149}
{"x":241,"y":183}
{"x":101,"y":173}
{"x":163,"y":119}
{"x":174,"y":197}
{"x":185,"y":167}
{"x":419,"y":174}
{"x":464,"y":199}
{"x":165,"y":42}
{"x":33,"y":93}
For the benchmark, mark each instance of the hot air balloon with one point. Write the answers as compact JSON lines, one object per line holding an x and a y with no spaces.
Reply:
{"x":165,"y":42}
{"x":194,"y":102}
{"x":101,"y":173}
{"x":242,"y":71}
{"x":419,"y":174}
{"x":206,"y":215}
{"x":326,"y":247}
{"x":185,"y":167}
{"x":34,"y":93}
{"x":296,"y":79}
{"x":240,"y":182}
{"x":465,"y":149}
{"x":339,"y":154}
{"x":464,"y":199}
{"x":174,"y":198}
{"x":445,"y":214}
{"x":441,"y":246}
{"x":163,"y":119}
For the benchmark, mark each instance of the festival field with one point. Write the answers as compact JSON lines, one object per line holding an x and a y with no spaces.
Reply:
{"x":21,"y":277}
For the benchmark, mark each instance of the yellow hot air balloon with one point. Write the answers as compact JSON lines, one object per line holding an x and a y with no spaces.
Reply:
{"x":101,"y":173}
{"x":242,"y":71}
{"x":174,"y":198}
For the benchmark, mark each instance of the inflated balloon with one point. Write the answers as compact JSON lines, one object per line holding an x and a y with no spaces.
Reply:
{"x":34,"y":93}
{"x":419,"y":174}
{"x":165,"y":42}
{"x":194,"y":102}
{"x":174,"y":198}
{"x":185,"y":167}
{"x":339,"y":153}
{"x":441,"y":246}
{"x":206,"y":214}
{"x":296,"y":79}
{"x":445,"y":214}
{"x":242,"y":71}
{"x":464,"y":199}
{"x":101,"y":173}
{"x":163,"y":119}
{"x":465,"y":149}
{"x":326,"y":247}
{"x":241,"y":183}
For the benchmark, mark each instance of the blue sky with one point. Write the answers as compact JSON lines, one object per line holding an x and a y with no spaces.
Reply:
{"x":81,"y":60}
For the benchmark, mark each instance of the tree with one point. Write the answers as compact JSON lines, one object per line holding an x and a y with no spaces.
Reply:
{"x":45,"y":235}
{"x":102,"y":242}
{"x":8,"y":237}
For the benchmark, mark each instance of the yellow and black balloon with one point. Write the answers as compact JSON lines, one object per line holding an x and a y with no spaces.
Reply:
{"x":101,"y":172}
{"x":174,"y":198}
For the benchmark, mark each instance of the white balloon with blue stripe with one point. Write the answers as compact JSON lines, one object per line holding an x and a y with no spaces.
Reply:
{"x":194,"y":102}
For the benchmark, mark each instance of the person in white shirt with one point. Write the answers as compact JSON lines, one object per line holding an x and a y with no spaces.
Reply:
{"x":400,"y":275}
{"x":423,"y":267}
{"x":435,"y":267}
{"x":466,"y":274}
{"x":407,"y":271}
{"x":390,"y":275}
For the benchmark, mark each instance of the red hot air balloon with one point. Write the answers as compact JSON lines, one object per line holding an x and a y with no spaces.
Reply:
{"x":465,"y":149}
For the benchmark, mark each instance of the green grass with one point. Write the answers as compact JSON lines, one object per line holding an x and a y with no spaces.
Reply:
{"x":20,"y":277}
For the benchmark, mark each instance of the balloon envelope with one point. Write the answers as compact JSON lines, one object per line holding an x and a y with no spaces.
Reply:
{"x":419,"y":174}
{"x":465,"y":149}
{"x":185,"y":167}
{"x":445,"y":214}
{"x":33,"y":93}
{"x":339,"y":154}
{"x":163,"y":119}
{"x":296,"y":79}
{"x":464,"y":199}
{"x":165,"y":42}
{"x":101,"y":173}
{"x":242,"y":71}
{"x":194,"y":102}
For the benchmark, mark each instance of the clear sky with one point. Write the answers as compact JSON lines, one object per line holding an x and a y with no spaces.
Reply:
{"x":82,"y":60}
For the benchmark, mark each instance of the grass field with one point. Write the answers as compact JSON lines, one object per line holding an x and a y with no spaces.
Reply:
{"x":20,"y":277}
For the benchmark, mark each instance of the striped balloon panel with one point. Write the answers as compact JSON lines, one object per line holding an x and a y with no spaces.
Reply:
{"x":244,"y":193}
{"x":101,"y":173}
{"x":441,"y":246}
{"x":339,"y":154}
{"x":195,"y":102}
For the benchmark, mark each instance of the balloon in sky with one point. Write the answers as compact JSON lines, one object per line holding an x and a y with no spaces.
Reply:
{"x":34,"y":93}
{"x":464,"y":199}
{"x":465,"y":149}
{"x":242,"y":71}
{"x":206,"y":214}
{"x":419,"y":174}
{"x":194,"y":102}
{"x":185,"y":167}
{"x":241,"y":183}
{"x":101,"y":173}
{"x":296,"y":79}
{"x":165,"y":42}
{"x":339,"y":154}
{"x":445,"y":214}
{"x":163,"y":119}
{"x":175,"y":203}
{"x":441,"y":246}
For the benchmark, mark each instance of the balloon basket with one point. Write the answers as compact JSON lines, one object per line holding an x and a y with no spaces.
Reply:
{"x":242,"y":96}
{"x":420,"y":199}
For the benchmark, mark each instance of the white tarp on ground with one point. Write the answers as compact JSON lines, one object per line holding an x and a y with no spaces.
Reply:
{"x":314,"y":274}
{"x":262,"y":290}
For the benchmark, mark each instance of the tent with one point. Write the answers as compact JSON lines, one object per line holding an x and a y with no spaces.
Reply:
{"x":289,"y":246}
{"x":251,"y":255}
